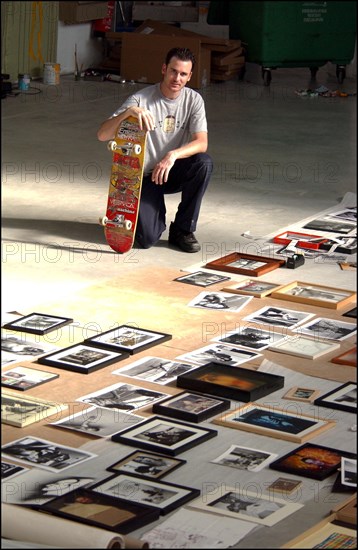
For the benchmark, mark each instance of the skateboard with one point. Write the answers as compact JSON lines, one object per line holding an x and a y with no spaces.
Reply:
{"x":125,"y":185}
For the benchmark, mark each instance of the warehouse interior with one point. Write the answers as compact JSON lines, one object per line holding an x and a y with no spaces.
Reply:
{"x":284,"y":152}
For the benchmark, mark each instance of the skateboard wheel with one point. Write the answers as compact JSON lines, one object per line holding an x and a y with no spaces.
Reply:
{"x":103,"y":220}
{"x":128,"y":224}
{"x":137,"y":149}
{"x":112,"y":145}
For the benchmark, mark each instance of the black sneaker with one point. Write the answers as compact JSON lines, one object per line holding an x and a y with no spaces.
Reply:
{"x":183,"y":239}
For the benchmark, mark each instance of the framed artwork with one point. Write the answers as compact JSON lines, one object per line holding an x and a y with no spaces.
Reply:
{"x":347,"y":358}
{"x":347,"y":245}
{"x":220,"y":300}
{"x":192,"y":407}
{"x":349,"y":471}
{"x":236,"y":383}
{"x":245,"y":458}
{"x":146,"y":464}
{"x":22,"y":411}
{"x":38,"y":323}
{"x":278,"y":317}
{"x":81,"y":358}
{"x":166,"y":497}
{"x":274,"y":422}
{"x":24,"y":378}
{"x":23,"y":348}
{"x":154,"y":369}
{"x":326,"y":223}
{"x":303,"y":347}
{"x":103,"y":511}
{"x":330,"y":329}
{"x":346,"y":512}
{"x":310,"y":460}
{"x":343,"y":398}
{"x":123,"y":397}
{"x":284,"y":485}
{"x":315,"y":295}
{"x":220,"y":353}
{"x":351,"y":313}
{"x":246,"y":505}
{"x":298,"y":393}
{"x":162,"y":435}
{"x":128,"y":339}
{"x":250,"y":337}
{"x":260,"y":289}
{"x":325,"y":535}
{"x":202,"y":278}
{"x":303,"y":240}
{"x":245,"y":264}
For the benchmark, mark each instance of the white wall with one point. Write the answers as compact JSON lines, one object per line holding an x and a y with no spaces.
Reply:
{"x":89,"y":50}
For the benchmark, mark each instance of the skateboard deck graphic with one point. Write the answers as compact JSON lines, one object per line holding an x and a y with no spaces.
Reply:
{"x":125,"y":185}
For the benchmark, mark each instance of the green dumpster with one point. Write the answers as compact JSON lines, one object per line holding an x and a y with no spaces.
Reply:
{"x":291,"y":33}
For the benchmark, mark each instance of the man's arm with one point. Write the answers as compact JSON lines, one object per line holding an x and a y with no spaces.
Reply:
{"x":108,"y":128}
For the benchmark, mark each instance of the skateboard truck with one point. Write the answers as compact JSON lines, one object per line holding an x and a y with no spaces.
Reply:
{"x":126,"y":149}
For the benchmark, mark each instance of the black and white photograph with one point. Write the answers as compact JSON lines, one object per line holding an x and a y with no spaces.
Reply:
{"x":299,"y":393}
{"x":279,"y":317}
{"x":329,"y":329}
{"x":351,"y":313}
{"x":154,"y":369}
{"x":124,"y":397}
{"x":164,"y":496}
{"x":260,"y":289}
{"x":45,"y":454}
{"x":146,"y":464}
{"x":9,"y":470}
{"x":192,"y":407}
{"x":303,"y":346}
{"x":220,"y":300}
{"x":202,"y":278}
{"x":327,"y":223}
{"x":82,"y":358}
{"x":347,"y":215}
{"x":99,"y":421}
{"x":315,"y":295}
{"x":245,"y":458}
{"x":128,"y":338}
{"x":38,"y":323}
{"x":250,"y":337}
{"x":24,"y":348}
{"x":20,"y":411}
{"x":220,"y":353}
{"x":24,"y":378}
{"x":343,"y":398}
{"x":349,"y":471}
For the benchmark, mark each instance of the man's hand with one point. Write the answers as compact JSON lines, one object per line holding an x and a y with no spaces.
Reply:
{"x":144,"y":116}
{"x":161,"y":171}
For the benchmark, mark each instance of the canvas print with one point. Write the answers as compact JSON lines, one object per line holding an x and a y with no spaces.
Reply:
{"x":220,"y":300}
{"x":24,"y":378}
{"x":202,"y":278}
{"x":128,"y":338}
{"x":82,"y":359}
{"x":220,"y":353}
{"x":245,"y":458}
{"x":154,"y":369}
{"x":146,"y":464}
{"x":279,"y":317}
{"x":124,"y":397}
{"x":250,"y":337}
{"x":329,"y":329}
{"x":38,"y":323}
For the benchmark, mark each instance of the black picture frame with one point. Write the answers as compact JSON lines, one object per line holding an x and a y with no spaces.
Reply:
{"x":138,"y":339}
{"x":165,"y":497}
{"x":146,"y":464}
{"x":310,"y":460}
{"x":23,"y":378}
{"x":342,"y":398}
{"x":122,"y":516}
{"x":351,"y":313}
{"x":82,"y":358}
{"x":185,"y":404}
{"x":163,"y":435}
{"x":237,"y":383}
{"x":31,"y":323}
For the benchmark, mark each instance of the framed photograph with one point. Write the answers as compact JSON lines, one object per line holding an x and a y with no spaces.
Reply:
{"x":278,"y":317}
{"x":250,"y":337}
{"x":162,"y":435}
{"x":325,"y":535}
{"x":128,"y":339}
{"x":349,"y":471}
{"x":192,"y":407}
{"x":346,"y":512}
{"x":24,"y":378}
{"x":154,"y":369}
{"x":124,"y":397}
{"x":22,"y":411}
{"x":347,"y":358}
{"x":284,"y":485}
{"x":237,"y":383}
{"x":298,"y":393}
{"x":220,"y":353}
{"x":343,"y":398}
{"x":163,"y":496}
{"x":245,"y":458}
{"x":220,"y":300}
{"x":245,"y":264}
{"x":82,"y":359}
{"x":310,"y":460}
{"x":237,"y":503}
{"x":9,"y":470}
{"x":99,"y":510}
{"x":347,"y":245}
{"x":315,"y":295}
{"x":326,"y":223}
{"x":45,"y":454}
{"x":202,"y":278}
{"x":329,"y":329}
{"x":260,"y":289}
{"x":23,"y":348}
{"x":38,"y":323}
{"x":351,"y":313}
{"x":274,"y":422}
{"x":303,"y":240}
{"x":146,"y":464}
{"x":303,"y":347}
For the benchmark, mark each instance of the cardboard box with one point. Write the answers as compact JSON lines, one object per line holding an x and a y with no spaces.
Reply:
{"x":165,"y":11}
{"x":80,"y":12}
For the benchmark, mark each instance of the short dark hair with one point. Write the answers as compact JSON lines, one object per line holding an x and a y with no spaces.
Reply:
{"x":184,"y":54}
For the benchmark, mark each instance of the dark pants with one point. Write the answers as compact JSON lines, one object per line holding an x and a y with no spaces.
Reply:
{"x":190,"y":176}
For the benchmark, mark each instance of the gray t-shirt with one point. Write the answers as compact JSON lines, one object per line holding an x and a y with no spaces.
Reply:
{"x":175,"y":120}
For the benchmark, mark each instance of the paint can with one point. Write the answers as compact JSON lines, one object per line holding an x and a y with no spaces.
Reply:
{"x":51,"y":73}
{"x":23,"y":81}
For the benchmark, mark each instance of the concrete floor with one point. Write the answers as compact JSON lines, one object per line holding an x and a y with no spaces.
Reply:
{"x":278,"y":157}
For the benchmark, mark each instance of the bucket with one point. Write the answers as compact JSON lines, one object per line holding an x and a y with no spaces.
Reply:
{"x":23,"y":82}
{"x":51,"y":73}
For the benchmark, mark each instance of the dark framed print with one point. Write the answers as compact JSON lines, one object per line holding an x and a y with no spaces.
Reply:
{"x":38,"y":323}
{"x":260,"y":289}
{"x":274,"y":422}
{"x":315,"y":295}
{"x":128,"y":338}
{"x":236,"y":383}
{"x":82,"y":358}
{"x":192,"y":407}
{"x":24,"y":378}
{"x":9,"y":470}
{"x":162,"y":435}
{"x":326,"y":223}
{"x":245,"y":264}
{"x":146,"y":464}
{"x":100,"y":510}
{"x":349,"y":358}
{"x":202,"y":278}
{"x":343,"y":398}
{"x":310,"y":460}
{"x":351,"y":313}
{"x":163,"y":496}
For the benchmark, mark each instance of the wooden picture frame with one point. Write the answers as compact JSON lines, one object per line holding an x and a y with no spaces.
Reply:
{"x":346,"y":512}
{"x":22,"y":411}
{"x":38,"y":323}
{"x":342,"y":398}
{"x":23,"y":378}
{"x":315,"y":295}
{"x":191,"y":407}
{"x":303,"y":347}
{"x":82,"y":358}
{"x":259,"y":289}
{"x":274,"y":422}
{"x":166,"y":436}
{"x":245,"y":264}
{"x":146,"y":464}
{"x":237,"y":383}
{"x":348,"y":357}
{"x":298,"y":393}
{"x":127,"y":338}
